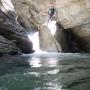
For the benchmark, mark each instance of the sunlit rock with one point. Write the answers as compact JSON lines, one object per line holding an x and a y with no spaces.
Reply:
{"x":72,"y":13}
{"x":58,"y":34}
{"x":28,"y":14}
{"x":47,"y":41}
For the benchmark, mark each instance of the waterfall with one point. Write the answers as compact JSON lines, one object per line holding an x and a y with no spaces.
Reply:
{"x":35,"y":40}
{"x":52,"y":27}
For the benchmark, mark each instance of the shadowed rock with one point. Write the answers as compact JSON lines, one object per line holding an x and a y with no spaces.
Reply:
{"x":11,"y":29}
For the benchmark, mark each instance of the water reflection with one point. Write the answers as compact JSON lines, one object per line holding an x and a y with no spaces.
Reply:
{"x":53,"y":71}
{"x":51,"y":62}
{"x":35,"y":62}
{"x":37,"y":74}
{"x":54,"y":86}
{"x":42,"y":68}
{"x":39,"y":62}
{"x":45,"y":73}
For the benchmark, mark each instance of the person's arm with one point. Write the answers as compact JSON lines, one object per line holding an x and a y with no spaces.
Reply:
{"x":49,"y":11}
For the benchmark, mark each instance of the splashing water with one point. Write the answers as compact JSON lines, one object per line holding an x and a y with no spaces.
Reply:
{"x":35,"y":40}
{"x":52,"y":26}
{"x":35,"y":37}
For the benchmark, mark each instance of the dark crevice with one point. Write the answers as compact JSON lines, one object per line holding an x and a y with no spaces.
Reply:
{"x":71,"y":41}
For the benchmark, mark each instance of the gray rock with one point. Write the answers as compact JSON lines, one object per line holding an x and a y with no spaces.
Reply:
{"x":8,"y":47}
{"x":11,"y":29}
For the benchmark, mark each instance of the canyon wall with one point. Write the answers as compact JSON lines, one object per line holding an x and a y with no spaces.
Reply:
{"x":31,"y":15}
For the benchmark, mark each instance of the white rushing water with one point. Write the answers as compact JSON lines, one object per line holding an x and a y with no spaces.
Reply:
{"x":35,"y":36}
{"x":52,"y":26}
{"x":36,"y":45}
{"x":35,"y":40}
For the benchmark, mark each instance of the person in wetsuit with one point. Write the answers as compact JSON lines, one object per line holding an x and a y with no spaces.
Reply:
{"x":51,"y":12}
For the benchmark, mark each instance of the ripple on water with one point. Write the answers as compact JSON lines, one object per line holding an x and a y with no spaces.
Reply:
{"x":45,"y":72}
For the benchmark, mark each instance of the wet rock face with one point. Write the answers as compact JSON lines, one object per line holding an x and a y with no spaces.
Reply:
{"x":62,"y":38}
{"x":71,"y":13}
{"x":75,"y":14}
{"x":8,"y":47}
{"x":11,"y":29}
{"x":47,"y":41}
{"x":33,"y":11}
{"x":27,"y":13}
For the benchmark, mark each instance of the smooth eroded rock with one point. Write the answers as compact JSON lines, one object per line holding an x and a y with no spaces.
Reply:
{"x":72,"y":13}
{"x":82,"y":37}
{"x":47,"y":41}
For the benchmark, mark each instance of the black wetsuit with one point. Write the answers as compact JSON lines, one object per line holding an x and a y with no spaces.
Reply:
{"x":51,"y":13}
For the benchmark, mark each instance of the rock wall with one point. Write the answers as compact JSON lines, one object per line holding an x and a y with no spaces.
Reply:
{"x":72,"y":13}
{"x":61,"y":38}
{"x":75,"y":14}
{"x":8,"y":47}
{"x":11,"y":29}
{"x":82,"y":37}
{"x":35,"y":13}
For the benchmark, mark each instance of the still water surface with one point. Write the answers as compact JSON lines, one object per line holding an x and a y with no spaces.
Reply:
{"x":45,"y":72}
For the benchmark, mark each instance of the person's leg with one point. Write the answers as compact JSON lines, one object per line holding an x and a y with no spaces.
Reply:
{"x":50,"y":18}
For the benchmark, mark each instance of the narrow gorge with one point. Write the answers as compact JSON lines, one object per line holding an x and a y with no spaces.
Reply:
{"x":68,"y":32}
